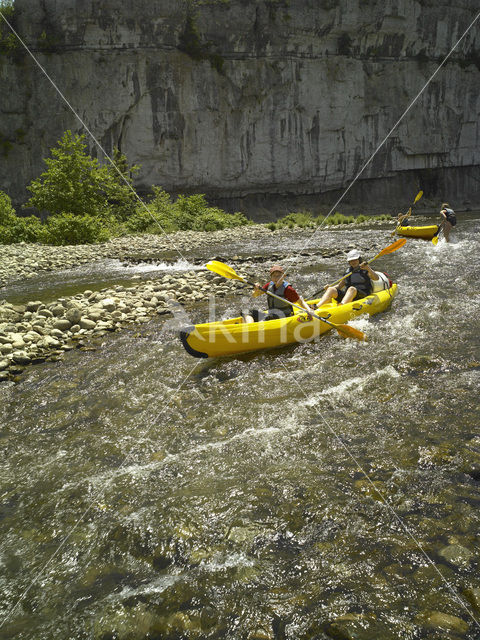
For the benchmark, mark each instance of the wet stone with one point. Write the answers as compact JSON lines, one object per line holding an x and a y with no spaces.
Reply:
{"x":473,"y":596}
{"x":456,"y":555}
{"x":444,"y":621}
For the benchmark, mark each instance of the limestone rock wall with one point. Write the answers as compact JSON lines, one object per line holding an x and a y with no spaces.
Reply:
{"x":244,"y":99}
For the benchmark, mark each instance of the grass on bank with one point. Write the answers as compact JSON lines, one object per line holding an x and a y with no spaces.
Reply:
{"x":305,"y":220}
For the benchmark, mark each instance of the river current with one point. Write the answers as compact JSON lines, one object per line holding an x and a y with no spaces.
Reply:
{"x":323,"y":490}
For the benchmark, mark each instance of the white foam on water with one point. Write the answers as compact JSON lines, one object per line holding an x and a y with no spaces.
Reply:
{"x":359,"y":383}
{"x":157,"y":586}
{"x":217,"y":563}
{"x":179,"y":265}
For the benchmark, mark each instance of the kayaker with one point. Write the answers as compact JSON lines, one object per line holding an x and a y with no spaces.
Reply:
{"x":449,"y":220}
{"x":276,"y":308}
{"x":356,"y":283}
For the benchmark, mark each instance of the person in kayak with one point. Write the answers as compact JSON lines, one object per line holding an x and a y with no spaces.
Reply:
{"x":449,"y":220}
{"x":355,"y":284}
{"x":276,"y":308}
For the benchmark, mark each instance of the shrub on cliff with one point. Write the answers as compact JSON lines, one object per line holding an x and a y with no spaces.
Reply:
{"x":77,"y":184}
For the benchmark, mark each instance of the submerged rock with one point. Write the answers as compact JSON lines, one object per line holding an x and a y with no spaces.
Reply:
{"x":444,"y":621}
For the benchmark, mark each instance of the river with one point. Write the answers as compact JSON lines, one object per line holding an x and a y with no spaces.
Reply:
{"x":325,"y":490}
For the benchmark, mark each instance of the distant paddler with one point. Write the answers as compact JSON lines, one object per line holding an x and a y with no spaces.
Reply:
{"x":449,"y":220}
{"x":279,"y":306}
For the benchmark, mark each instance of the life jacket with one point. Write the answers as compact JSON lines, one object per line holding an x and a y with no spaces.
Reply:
{"x":450,"y":213}
{"x":382,"y":283}
{"x":358,"y":279}
{"x":274,"y":303}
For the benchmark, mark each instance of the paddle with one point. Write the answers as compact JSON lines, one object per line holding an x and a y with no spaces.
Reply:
{"x":224,"y":270}
{"x":402,"y":219}
{"x":436,"y":235}
{"x":390,"y":249}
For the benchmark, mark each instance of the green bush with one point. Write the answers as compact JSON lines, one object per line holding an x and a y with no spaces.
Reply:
{"x":187,"y":213}
{"x":14,"y":229}
{"x":6,"y":209}
{"x":27,"y":229}
{"x":68,"y":229}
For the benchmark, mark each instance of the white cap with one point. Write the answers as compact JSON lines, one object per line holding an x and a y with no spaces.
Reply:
{"x":353,"y":255}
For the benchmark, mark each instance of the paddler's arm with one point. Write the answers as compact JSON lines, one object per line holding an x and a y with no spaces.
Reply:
{"x":303,"y":304}
{"x":258,"y":290}
{"x":366,"y":267}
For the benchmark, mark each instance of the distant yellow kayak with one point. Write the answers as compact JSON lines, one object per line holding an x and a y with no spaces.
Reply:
{"x":228,"y":337}
{"x":426,"y":233}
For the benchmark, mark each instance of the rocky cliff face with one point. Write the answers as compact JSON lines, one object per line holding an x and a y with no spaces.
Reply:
{"x":249,"y":99}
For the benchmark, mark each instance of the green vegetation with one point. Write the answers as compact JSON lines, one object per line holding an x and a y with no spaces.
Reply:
{"x":8,"y":40}
{"x":186,"y":213}
{"x":305,"y":220}
{"x":191,"y":44}
{"x":87,"y":202}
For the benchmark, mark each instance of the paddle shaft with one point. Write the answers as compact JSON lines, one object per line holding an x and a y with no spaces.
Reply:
{"x":437,"y":233}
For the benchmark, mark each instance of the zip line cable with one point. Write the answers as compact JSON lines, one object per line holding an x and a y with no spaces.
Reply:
{"x":357,"y":176}
{"x":357,"y":463}
{"x":90,"y":133}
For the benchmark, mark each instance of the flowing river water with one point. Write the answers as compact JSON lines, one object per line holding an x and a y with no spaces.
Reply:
{"x":324,"y":490}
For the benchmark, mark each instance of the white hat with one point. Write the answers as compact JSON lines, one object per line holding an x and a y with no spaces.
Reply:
{"x":353,"y":255}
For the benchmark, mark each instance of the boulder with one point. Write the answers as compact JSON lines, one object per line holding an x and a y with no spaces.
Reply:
{"x":108,"y":304}
{"x":62,"y":324}
{"x":87,"y":324}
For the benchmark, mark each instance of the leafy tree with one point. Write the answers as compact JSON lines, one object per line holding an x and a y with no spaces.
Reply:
{"x":120,"y":192}
{"x":76,"y":183}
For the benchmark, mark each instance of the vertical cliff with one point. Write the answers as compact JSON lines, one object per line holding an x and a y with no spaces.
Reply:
{"x":248,"y":99}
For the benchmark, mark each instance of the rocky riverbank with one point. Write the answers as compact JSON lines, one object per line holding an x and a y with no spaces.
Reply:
{"x":37,"y":331}
{"x":19,"y":261}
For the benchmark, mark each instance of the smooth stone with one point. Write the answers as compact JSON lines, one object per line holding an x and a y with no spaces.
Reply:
{"x":108,"y":304}
{"x":21,"y":357}
{"x":34,"y":305}
{"x":87,"y":324}
{"x":456,"y":554}
{"x":4,"y":364}
{"x":62,"y":324}
{"x":73,"y":314}
{"x":473,"y":596}
{"x":444,"y":621}
{"x":45,"y":313}
{"x":58,"y":310}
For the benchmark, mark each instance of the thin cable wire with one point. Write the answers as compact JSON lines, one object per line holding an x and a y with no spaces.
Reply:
{"x":384,"y":500}
{"x":90,"y":133}
{"x":310,"y":240}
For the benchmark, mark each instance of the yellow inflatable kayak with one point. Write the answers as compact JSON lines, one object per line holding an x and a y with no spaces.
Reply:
{"x":426,"y":233}
{"x":228,"y":337}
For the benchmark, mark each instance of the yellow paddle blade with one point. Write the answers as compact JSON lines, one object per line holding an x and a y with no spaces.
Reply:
{"x":418,"y":196}
{"x":223,"y":270}
{"x":435,"y":240}
{"x":391,"y":248}
{"x":350,"y":332}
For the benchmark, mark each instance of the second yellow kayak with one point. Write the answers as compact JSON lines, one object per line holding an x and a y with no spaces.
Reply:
{"x":426,"y":233}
